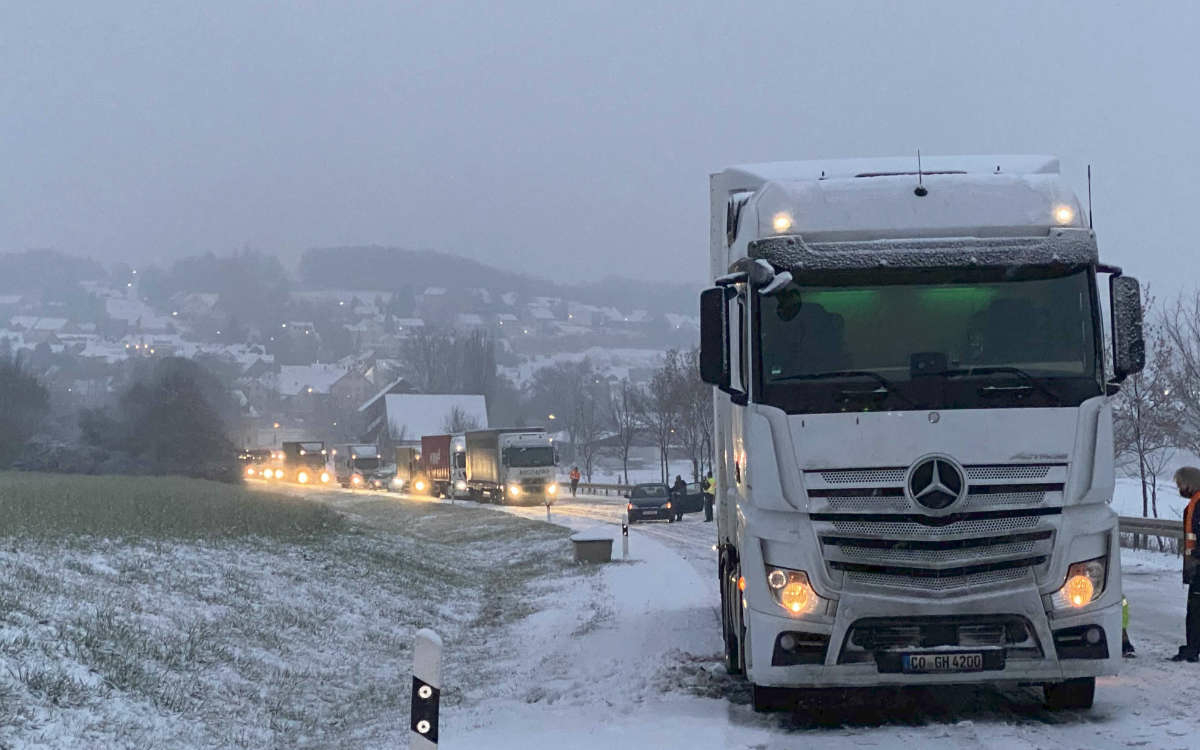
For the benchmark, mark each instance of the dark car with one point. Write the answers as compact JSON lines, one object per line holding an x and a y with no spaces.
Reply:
{"x":650,"y":501}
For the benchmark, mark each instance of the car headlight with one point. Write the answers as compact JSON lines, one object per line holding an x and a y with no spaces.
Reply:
{"x":302,"y":477}
{"x":325,"y":477}
{"x":460,"y":485}
{"x":792,"y":591}
{"x":552,"y":489}
{"x":1084,"y":585}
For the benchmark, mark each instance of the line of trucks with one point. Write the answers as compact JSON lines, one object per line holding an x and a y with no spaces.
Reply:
{"x":516,"y":466}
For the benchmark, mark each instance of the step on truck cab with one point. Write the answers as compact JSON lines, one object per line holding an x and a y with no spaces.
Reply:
{"x":914,"y":451}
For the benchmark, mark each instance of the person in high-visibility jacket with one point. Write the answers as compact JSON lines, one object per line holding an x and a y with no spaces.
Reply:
{"x":1127,"y":649}
{"x":710,"y":494}
{"x":1187,"y":479}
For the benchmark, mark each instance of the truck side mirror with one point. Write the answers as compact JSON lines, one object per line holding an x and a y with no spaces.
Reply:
{"x":1129,"y":347}
{"x":714,"y":338}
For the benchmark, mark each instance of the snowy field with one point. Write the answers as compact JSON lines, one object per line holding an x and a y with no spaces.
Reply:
{"x":287,"y":637}
{"x":282,"y":641}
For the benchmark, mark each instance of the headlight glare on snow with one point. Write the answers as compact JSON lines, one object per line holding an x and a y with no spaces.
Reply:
{"x":792,"y":591}
{"x":1084,"y":584}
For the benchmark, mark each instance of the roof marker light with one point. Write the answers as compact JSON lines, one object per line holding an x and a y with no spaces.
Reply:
{"x":782,"y":222}
{"x":1064,"y":214}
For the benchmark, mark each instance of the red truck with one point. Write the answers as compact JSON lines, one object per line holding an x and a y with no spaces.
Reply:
{"x":435,"y":463}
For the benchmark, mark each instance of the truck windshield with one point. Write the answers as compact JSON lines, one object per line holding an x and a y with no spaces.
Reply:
{"x":1000,"y":339}
{"x":366,"y":464}
{"x":532,"y":456}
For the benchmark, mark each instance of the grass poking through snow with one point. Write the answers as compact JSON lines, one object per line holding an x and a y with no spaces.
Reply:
{"x":178,"y":613}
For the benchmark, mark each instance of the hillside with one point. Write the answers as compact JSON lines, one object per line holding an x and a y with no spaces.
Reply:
{"x":387,"y":268}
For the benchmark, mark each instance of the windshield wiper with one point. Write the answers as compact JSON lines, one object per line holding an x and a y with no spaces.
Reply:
{"x":886,"y":387}
{"x":1034,"y":383}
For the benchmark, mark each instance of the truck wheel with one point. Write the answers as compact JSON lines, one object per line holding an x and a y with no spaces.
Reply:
{"x":730,"y":627}
{"x":767,"y":699}
{"x":1078,"y":694}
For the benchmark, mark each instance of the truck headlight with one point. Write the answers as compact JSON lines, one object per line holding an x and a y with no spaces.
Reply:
{"x":419,"y":485}
{"x":552,"y":489}
{"x":324,"y":477}
{"x":302,"y":477}
{"x":460,"y":485}
{"x":250,"y":472}
{"x":397,"y":483}
{"x":1084,"y":585}
{"x":356,"y":480}
{"x":279,"y":473}
{"x":514,"y":490}
{"x":792,"y":591}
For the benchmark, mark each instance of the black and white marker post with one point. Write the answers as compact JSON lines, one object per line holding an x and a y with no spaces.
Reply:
{"x":426,"y":690}
{"x":625,"y":541}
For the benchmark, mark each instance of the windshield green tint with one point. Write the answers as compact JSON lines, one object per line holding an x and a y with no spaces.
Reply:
{"x":527,"y":457}
{"x":898,"y":339}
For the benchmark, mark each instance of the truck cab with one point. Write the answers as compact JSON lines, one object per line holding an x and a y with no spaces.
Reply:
{"x":359,"y":466}
{"x":914,"y":456}
{"x":305,"y":462}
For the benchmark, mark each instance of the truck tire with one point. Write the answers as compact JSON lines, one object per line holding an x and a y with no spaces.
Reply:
{"x":1073,"y":694}
{"x":766,"y":699}
{"x":731,"y":627}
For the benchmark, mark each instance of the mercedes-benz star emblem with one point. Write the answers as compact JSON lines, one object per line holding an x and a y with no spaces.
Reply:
{"x":936,"y":483}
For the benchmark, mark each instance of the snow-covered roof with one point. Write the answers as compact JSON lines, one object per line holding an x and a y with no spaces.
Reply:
{"x":834,"y":169}
{"x":411,"y":415}
{"x":10,"y":299}
{"x":34,"y":323}
{"x":541,"y":313}
{"x":468,"y":320}
{"x":434,"y":291}
{"x":294,"y":379}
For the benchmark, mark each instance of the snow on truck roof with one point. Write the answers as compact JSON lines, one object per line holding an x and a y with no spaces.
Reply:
{"x":865,"y":199}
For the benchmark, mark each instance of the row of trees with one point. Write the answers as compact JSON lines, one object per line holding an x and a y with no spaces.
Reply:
{"x":672,"y":411}
{"x":1157,"y":414}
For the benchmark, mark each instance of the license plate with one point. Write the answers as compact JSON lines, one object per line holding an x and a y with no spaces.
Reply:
{"x":971,"y":662}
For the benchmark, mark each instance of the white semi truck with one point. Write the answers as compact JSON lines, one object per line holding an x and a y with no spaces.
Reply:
{"x":913,"y":425}
{"x":512,"y":466}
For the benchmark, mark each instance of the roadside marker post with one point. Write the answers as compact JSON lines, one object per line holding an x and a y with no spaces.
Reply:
{"x":547,"y":511}
{"x":426,"y":690}
{"x":625,"y":541}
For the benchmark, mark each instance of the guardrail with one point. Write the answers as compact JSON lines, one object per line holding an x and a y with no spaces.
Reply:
{"x":1137,"y":532}
{"x":598,"y":488}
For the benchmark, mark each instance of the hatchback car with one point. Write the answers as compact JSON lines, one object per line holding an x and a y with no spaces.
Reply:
{"x":650,"y":501}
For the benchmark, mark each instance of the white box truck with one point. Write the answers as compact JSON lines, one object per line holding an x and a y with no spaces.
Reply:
{"x":914,"y":450}
{"x":514,"y":466}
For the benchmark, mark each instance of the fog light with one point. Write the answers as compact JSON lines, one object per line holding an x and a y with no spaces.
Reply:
{"x":787,"y":641}
{"x":1093,"y":635}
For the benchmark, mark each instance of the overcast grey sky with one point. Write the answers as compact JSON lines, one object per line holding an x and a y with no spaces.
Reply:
{"x":573,"y":138}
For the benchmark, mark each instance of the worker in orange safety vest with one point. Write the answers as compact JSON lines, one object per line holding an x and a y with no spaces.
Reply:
{"x":1187,"y":479}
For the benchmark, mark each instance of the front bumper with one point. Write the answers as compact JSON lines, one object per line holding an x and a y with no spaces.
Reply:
{"x":1021,"y":666}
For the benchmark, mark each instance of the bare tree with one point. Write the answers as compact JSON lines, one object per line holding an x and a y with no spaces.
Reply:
{"x":588,"y":422}
{"x":458,"y":420}
{"x":1180,"y":327}
{"x":695,"y":412}
{"x":661,"y":408}
{"x":431,"y":360}
{"x":625,"y":416}
{"x":1145,"y":417}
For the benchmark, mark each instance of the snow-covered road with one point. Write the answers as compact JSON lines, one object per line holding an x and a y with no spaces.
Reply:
{"x":633,"y":661}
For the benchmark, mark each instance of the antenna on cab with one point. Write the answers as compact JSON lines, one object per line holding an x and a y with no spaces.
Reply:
{"x":920,"y":192}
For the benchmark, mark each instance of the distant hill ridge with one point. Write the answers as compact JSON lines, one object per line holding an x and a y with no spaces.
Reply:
{"x":381,"y":268}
